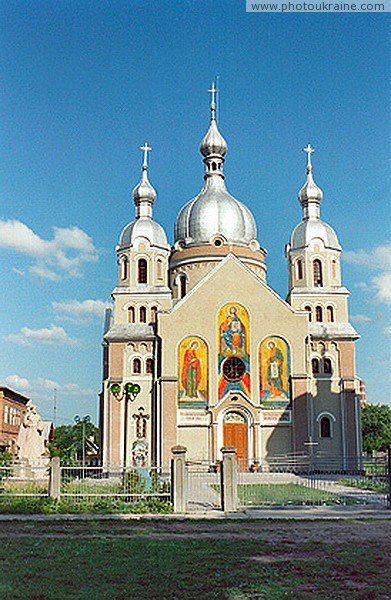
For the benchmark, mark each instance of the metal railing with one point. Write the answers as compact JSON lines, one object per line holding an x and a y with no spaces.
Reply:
{"x":300,"y":481}
{"x":127,"y":484}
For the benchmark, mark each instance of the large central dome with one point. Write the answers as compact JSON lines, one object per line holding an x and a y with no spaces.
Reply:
{"x":214,"y":213}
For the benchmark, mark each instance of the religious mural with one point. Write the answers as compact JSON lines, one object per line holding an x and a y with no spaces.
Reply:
{"x":193,"y":373}
{"x":234,"y":357}
{"x":274,"y":361}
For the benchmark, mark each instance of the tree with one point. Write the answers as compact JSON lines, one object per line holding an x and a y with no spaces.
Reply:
{"x":376,"y":427}
{"x":68,"y":441}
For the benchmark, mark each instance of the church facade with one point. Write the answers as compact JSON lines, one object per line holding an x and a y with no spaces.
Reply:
{"x":199,"y":350}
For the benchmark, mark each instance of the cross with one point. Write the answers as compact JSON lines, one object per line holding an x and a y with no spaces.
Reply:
{"x":309,"y":150}
{"x":213,"y":91}
{"x":145,"y":149}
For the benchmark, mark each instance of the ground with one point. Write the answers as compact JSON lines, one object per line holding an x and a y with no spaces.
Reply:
{"x":187,"y":559}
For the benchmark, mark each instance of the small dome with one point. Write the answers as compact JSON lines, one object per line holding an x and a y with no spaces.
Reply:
{"x":306,"y":231}
{"x":310,"y":191}
{"x":213,"y":142}
{"x":146,"y":228}
{"x":215,"y":212}
{"x":144,"y":190}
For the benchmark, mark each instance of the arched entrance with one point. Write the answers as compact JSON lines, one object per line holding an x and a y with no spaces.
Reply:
{"x":235,"y":434}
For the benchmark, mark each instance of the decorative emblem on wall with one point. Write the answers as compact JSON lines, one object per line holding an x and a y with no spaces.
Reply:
{"x":234,"y":357}
{"x":141,"y":423}
{"x":193,"y":373}
{"x":274,"y":361}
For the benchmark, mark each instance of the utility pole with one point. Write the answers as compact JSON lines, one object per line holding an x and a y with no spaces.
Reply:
{"x":54,"y":408}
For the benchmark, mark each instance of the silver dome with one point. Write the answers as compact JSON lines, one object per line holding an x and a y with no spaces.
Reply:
{"x":306,"y":231}
{"x":144,"y":190}
{"x":213,"y":142}
{"x":310,"y":191}
{"x":215,"y":212}
{"x":146,"y":228}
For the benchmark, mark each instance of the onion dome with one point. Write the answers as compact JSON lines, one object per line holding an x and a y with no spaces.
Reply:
{"x":312,"y":226}
{"x":214,"y":212}
{"x":144,"y":195}
{"x":213,"y":142}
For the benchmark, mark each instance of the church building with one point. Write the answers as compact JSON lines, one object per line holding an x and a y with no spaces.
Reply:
{"x":199,"y":350}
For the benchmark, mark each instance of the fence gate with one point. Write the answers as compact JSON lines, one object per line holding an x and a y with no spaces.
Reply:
{"x":203,"y":491}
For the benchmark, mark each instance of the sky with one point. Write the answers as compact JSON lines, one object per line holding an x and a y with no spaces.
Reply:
{"x":86,"y":83}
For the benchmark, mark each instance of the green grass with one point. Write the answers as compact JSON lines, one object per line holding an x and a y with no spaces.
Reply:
{"x":287,"y":494}
{"x":374,"y":485}
{"x":45,"y":505}
{"x":92,"y":561}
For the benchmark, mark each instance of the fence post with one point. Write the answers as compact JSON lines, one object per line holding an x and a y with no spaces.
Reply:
{"x":179,"y":479}
{"x":229,"y":480}
{"x":389,"y":474}
{"x":55,"y":478}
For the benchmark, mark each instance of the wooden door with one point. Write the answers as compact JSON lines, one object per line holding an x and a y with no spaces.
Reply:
{"x":235,"y":434}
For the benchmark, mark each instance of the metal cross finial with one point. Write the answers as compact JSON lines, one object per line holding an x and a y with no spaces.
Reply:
{"x":309,"y":150}
{"x":214,"y":91}
{"x":145,"y":149}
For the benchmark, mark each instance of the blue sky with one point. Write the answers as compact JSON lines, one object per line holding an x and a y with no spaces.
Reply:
{"x":85,"y":83}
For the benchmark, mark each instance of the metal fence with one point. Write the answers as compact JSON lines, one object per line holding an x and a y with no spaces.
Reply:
{"x":128,"y":485}
{"x":20,"y":479}
{"x":300,"y":481}
{"x":279,"y":481}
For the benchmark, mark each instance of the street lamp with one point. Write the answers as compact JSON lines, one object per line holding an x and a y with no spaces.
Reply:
{"x":130,"y":392}
{"x":83,"y":421}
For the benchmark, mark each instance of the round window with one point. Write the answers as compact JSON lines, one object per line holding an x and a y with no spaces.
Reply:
{"x":234,"y":369}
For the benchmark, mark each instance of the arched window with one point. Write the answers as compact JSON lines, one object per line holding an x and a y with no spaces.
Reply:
{"x":143,"y":314}
{"x":309,"y":311}
{"x":330,"y":314}
{"x":315,"y":365}
{"x":327,"y":367}
{"x":318,"y":314}
{"x":137,"y":366}
{"x":142,"y":270}
{"x":159,"y":268}
{"x":317,"y":270}
{"x":153,"y":314}
{"x":299,"y":269}
{"x":325,"y":427}
{"x":131,"y":315}
{"x":124,"y":268}
{"x":149,"y":366}
{"x":182,"y":286}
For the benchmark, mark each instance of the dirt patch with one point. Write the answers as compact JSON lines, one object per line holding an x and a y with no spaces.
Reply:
{"x":281,"y":532}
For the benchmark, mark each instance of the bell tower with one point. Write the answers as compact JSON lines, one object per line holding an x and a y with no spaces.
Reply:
{"x":315,"y":286}
{"x":129,"y":341}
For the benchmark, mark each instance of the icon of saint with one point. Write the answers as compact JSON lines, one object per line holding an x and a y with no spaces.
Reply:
{"x":191,"y":370}
{"x":233,"y":330}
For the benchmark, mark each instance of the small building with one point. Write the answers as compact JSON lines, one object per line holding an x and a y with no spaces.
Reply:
{"x":12,"y":409}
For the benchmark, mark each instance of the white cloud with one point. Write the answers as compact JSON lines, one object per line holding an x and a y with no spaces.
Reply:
{"x":80,"y":312}
{"x":361,"y":319}
{"x":61,"y":256}
{"x":377,"y":260}
{"x":20,"y":383}
{"x":55,"y":336}
{"x":43,"y":387}
{"x":387,"y":330}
